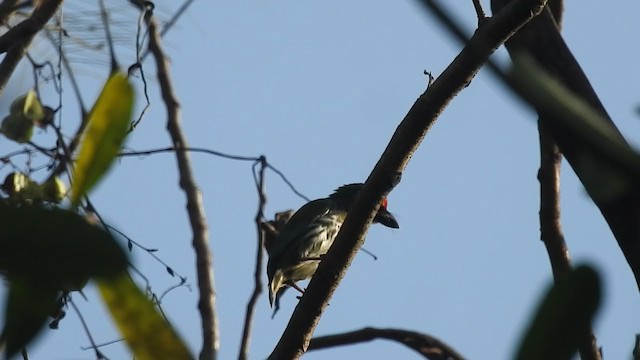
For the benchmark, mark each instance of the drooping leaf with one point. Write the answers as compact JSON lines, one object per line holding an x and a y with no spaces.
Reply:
{"x":28,"y":306}
{"x":104,"y":134}
{"x":607,"y":166}
{"x":563,"y":318}
{"x":44,"y":251}
{"x":147,"y":333}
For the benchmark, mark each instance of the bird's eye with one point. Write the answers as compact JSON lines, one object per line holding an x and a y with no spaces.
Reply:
{"x":383,"y":204}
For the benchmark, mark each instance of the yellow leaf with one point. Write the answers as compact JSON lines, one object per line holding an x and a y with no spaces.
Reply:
{"x":104,"y":135}
{"x":147,"y":333}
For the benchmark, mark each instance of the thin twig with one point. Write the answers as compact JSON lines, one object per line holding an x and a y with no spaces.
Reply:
{"x":138,"y":66}
{"x":150,"y":251}
{"x":195,"y":208}
{"x":169,"y":24}
{"x":257,"y":275}
{"x":427,"y":346}
{"x":482,"y":17}
{"x":63,"y":61}
{"x":101,"y":344}
{"x":286,"y":181}
{"x":104,"y":15}
{"x":99,"y":354}
{"x":171,"y":149}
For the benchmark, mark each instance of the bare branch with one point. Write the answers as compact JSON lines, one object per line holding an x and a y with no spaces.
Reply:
{"x":550,"y":225}
{"x":257,"y":275}
{"x":16,"y":41}
{"x":29,"y":27}
{"x":427,"y":346}
{"x":404,"y":142}
{"x":482,"y":17}
{"x":543,"y":42}
{"x":195,"y":209}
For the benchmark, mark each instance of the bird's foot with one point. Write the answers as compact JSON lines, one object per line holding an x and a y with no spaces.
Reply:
{"x":314,"y":258}
{"x":295,"y":286}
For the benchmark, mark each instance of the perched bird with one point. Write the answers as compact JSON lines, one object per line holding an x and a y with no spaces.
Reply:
{"x":296,"y":252}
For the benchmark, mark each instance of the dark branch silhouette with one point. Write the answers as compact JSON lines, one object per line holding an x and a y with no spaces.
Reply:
{"x":542,"y":41}
{"x":259,"y":180}
{"x":427,"y":346}
{"x":16,"y":41}
{"x":404,"y":142}
{"x":550,"y":224}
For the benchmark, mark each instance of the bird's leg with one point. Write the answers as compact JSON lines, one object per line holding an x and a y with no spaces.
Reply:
{"x":295,"y":286}
{"x":314,"y":258}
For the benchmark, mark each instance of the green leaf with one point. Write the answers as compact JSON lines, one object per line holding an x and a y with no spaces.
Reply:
{"x":17,"y":127}
{"x":104,"y":135}
{"x":146,"y":332}
{"x":28,"y":306}
{"x":55,"y":246}
{"x":44,"y":251}
{"x":29,"y":106}
{"x":563,"y":319}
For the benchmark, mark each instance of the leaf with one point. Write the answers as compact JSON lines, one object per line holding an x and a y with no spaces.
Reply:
{"x":43,"y":251}
{"x":104,"y":135}
{"x":146,"y":332}
{"x":16,"y":127}
{"x":28,"y":306}
{"x":31,"y":107}
{"x":564,"y":317}
{"x":56,"y":246}
{"x":607,"y":166}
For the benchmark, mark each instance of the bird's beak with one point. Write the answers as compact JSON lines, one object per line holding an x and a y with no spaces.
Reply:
{"x":385,"y":218}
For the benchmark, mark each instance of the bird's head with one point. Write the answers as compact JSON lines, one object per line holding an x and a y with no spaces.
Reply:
{"x":346,"y":194}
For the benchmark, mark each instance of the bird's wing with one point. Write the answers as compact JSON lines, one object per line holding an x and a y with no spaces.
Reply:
{"x":298,"y":224}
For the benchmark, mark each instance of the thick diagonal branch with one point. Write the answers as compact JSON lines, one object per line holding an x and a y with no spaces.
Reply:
{"x":542,"y":41}
{"x":16,"y":41}
{"x":404,"y":142}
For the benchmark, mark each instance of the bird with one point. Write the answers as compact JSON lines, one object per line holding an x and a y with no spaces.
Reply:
{"x":298,"y":249}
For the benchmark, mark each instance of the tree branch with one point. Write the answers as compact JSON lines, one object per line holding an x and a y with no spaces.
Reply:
{"x":550,"y":224}
{"x":257,"y":275}
{"x":404,"y":142}
{"x":195,"y":209}
{"x":425,"y":345}
{"x":16,"y":41}
{"x":541,"y":40}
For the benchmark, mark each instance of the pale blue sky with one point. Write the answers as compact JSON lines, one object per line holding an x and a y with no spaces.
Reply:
{"x":319,"y":87}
